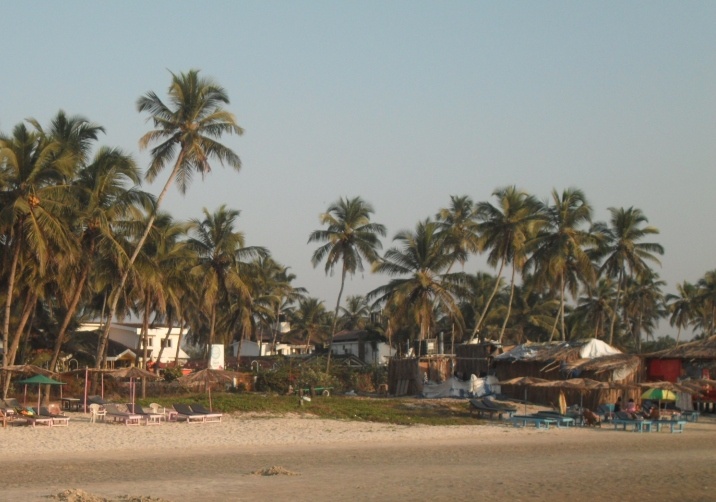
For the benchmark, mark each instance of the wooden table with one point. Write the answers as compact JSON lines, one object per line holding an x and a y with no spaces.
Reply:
{"x":71,"y":403}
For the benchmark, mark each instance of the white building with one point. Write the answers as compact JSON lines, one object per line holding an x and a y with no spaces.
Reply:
{"x":130,"y":335}
{"x":355,"y":343}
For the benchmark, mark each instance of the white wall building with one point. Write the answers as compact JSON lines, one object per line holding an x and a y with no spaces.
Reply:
{"x":131,"y":336}
{"x":355,"y":343}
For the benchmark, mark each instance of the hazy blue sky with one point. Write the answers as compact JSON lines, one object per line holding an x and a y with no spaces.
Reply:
{"x":403,"y":103}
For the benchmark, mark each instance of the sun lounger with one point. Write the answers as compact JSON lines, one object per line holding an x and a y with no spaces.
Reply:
{"x":481,"y":408}
{"x":184,"y":412}
{"x":150,"y":418}
{"x":34,"y":420}
{"x":119,"y":415}
{"x":539,"y":422}
{"x":675,"y":426}
{"x":690,"y":415}
{"x":209,"y":416}
{"x":637,"y":425}
{"x":562,"y":420}
{"x":57,"y":418}
{"x":96,"y":400}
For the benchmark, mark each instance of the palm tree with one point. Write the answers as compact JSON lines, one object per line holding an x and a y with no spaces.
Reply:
{"x":220,"y":250}
{"x":309,"y":319}
{"x":187,"y":130}
{"x":422,"y":290}
{"x":349,"y":238}
{"x":37,"y":166}
{"x":559,"y":257}
{"x":459,"y":224}
{"x":624,"y":256}
{"x":594,"y":310}
{"x":103,"y":199}
{"x":681,"y":307}
{"x":643,"y":303}
{"x":356,"y":313}
{"x":706,"y":298}
{"x":505,"y":230}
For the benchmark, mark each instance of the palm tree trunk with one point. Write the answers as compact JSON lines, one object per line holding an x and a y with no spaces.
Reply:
{"x":489,"y":301}
{"x":145,"y":340}
{"x":101,"y":346}
{"x":509,"y":304}
{"x":616,"y":308}
{"x":179,"y":340}
{"x":561,"y":305}
{"x":30,"y":304}
{"x":69,"y":315}
{"x":335,"y":317}
{"x":8,"y":303}
{"x":164,"y":340}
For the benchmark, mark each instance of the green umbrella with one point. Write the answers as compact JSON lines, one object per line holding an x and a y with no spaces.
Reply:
{"x":658,"y":395}
{"x":39,"y":380}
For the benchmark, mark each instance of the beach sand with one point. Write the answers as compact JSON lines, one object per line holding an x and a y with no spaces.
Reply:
{"x":319,"y":459}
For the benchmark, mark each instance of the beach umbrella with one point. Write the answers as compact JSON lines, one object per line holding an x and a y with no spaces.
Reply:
{"x":207,"y":377}
{"x":132,"y":373}
{"x":39,"y":380}
{"x":579,"y":384}
{"x":525,"y":382}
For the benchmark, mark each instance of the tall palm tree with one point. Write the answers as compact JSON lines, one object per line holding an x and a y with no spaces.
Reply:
{"x":421,"y":290}
{"x":37,"y":167}
{"x":350,"y":237}
{"x":624,"y":256}
{"x":681,"y":307}
{"x":505,"y":229}
{"x":560,"y":257}
{"x":595,"y":309}
{"x":459,"y":224}
{"x":106,"y":193}
{"x":187,"y":130}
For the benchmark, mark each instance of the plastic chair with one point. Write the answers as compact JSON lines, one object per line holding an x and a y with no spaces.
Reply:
{"x":97,"y":412}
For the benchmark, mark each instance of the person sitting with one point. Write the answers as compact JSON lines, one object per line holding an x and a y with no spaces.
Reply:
{"x":631,"y":409}
{"x":618,"y":405}
{"x":654,"y":413}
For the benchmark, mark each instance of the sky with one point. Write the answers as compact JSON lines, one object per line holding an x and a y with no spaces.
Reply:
{"x":403,"y":103}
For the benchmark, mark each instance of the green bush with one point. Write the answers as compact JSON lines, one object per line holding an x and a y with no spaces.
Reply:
{"x":171,"y":374}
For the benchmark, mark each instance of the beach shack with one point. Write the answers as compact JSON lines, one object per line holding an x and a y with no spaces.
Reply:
{"x":696,"y":359}
{"x":589,"y":358}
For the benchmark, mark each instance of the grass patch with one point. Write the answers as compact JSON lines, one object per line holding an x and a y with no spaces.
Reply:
{"x":402,"y":411}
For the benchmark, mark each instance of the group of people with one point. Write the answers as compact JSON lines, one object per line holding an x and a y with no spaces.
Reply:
{"x":648,"y":411}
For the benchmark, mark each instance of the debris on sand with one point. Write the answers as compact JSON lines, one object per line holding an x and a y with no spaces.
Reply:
{"x":274,"y":470}
{"x":77,"y":495}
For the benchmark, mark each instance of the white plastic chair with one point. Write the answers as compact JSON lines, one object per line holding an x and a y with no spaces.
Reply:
{"x":97,"y":412}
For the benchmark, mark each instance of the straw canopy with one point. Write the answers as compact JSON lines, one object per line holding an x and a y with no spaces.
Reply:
{"x":28,"y":368}
{"x":133,"y":372}
{"x":698,"y":349}
{"x":670,"y":386}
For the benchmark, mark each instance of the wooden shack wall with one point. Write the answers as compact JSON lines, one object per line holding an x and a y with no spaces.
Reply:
{"x":473,"y":359}
{"x":404,"y":377}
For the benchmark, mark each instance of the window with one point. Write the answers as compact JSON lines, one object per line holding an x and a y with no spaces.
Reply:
{"x":167,"y":344}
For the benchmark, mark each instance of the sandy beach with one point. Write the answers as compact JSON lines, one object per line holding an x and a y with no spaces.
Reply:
{"x":340,"y":460}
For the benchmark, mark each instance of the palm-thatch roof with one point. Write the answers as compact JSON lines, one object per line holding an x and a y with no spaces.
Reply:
{"x":698,"y":349}
{"x":556,"y":351}
{"x":607,"y":363}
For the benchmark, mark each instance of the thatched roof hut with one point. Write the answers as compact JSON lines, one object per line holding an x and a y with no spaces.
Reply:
{"x":589,"y":358}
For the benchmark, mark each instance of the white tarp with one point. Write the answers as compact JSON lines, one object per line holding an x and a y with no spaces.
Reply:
{"x":597,"y":348}
{"x":453,"y":387}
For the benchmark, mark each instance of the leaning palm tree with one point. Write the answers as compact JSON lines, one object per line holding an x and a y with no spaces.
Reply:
{"x":349,"y":238}
{"x":624,"y":256}
{"x":187,"y":130}
{"x":105,"y":193}
{"x":505,"y":229}
{"x":421,"y":289}
{"x":560,"y":258}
